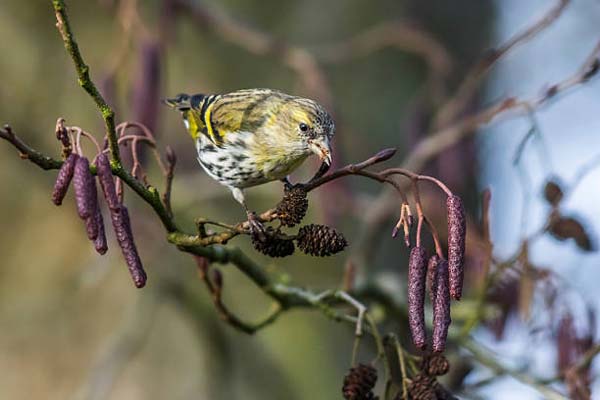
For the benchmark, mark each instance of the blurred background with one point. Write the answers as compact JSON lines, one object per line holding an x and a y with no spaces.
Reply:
{"x":73,"y":326}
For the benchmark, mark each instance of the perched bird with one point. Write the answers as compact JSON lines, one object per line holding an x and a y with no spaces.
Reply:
{"x":253,"y":136}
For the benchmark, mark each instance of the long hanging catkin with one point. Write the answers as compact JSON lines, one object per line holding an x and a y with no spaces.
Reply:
{"x":64,"y":179}
{"x":457,"y":230}
{"x":107,"y":182}
{"x":85,"y":190}
{"x":122,"y":226}
{"x":441,"y":308}
{"x":417,"y":271}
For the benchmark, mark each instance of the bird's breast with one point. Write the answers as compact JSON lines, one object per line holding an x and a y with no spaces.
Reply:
{"x":239,"y":163}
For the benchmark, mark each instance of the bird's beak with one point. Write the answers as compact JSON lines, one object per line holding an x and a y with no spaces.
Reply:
{"x":321,"y":148}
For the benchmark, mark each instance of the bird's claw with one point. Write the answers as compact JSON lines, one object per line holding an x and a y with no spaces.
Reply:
{"x":257,"y":229}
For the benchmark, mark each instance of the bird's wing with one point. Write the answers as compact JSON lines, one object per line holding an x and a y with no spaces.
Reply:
{"x":221,"y":117}
{"x":244,"y":111}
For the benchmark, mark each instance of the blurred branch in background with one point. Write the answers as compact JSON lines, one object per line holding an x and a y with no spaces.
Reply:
{"x":450,"y":133}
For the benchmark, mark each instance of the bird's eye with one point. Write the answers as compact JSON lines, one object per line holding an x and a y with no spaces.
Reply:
{"x":303,"y":127}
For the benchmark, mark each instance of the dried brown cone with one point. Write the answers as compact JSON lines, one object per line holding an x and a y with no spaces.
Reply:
{"x":100,"y":243}
{"x":359,"y":383}
{"x":122,"y":226}
{"x":435,"y":365}
{"x":457,"y":230}
{"x":107,"y":182}
{"x":422,"y":387}
{"x":85,"y":188}
{"x":63,"y":180}
{"x":417,"y":271}
{"x":432,"y":276}
{"x":292,"y":208}
{"x":320,"y":240}
{"x":274,"y":246}
{"x":441,"y":308}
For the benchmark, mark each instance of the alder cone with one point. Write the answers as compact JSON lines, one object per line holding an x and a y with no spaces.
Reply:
{"x":436,"y":365}
{"x":422,"y":387}
{"x":63,"y":180}
{"x":417,"y":271}
{"x":273,"y":246}
{"x":359,"y":383}
{"x":320,"y":240}
{"x":292,"y":208}
{"x":457,"y":230}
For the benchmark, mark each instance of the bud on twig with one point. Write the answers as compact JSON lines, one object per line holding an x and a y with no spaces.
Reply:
{"x":107,"y":182}
{"x":320,"y":240}
{"x":417,"y":270}
{"x":63,"y":180}
{"x":100,"y":243}
{"x":359,"y":383}
{"x":457,"y":230}
{"x":441,"y":308}
{"x":122,"y":226}
{"x":85,"y":188}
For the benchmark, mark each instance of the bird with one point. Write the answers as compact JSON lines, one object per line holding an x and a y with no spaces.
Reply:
{"x":249,"y":137}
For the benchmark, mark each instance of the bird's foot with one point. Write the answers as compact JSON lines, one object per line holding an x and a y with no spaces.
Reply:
{"x":257,"y":229}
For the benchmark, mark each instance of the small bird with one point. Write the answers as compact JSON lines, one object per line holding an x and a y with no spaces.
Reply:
{"x":254,"y":136}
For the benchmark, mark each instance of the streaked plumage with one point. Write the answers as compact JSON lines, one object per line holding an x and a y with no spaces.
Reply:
{"x":253,"y":136}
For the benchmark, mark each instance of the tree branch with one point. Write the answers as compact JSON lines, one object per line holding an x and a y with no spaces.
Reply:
{"x":83,"y":74}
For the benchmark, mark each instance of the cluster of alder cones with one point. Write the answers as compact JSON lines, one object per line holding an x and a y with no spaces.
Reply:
{"x":443,"y":277}
{"x":313,"y":239}
{"x":360,"y":381}
{"x":76,"y":169}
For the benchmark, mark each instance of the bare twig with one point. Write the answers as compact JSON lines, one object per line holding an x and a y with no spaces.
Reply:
{"x":83,"y":72}
{"x":464,"y":94}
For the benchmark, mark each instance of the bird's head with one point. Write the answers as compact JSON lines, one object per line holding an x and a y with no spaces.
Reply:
{"x":311,"y":127}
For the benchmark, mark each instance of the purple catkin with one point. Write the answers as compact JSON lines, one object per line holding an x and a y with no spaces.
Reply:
{"x":107,"y":182}
{"x":417,"y":271}
{"x":91,"y":222}
{"x":432,"y":276}
{"x":441,"y":308}
{"x":457,"y":230}
{"x":122,"y":226}
{"x":100,"y":243}
{"x":63,"y":180}
{"x":85,"y":188}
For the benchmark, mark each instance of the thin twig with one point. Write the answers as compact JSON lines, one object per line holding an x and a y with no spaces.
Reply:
{"x":473,"y":78}
{"x":83,"y":73}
